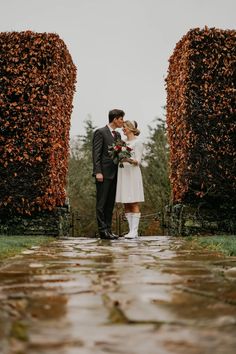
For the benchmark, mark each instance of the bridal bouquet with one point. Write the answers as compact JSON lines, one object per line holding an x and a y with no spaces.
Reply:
{"x":119,"y":151}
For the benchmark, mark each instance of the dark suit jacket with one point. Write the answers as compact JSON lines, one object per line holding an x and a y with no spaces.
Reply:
{"x":102,"y":163}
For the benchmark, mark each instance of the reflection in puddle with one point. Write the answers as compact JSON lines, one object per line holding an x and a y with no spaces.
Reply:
{"x":119,"y":296}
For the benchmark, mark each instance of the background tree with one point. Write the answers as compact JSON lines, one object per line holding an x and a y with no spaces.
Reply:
{"x":81,"y":186}
{"x":155,"y":170}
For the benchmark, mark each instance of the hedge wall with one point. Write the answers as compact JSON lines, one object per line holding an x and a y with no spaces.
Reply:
{"x":201,"y":116}
{"x":37,"y":83}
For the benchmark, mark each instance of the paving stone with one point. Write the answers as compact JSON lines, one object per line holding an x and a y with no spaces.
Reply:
{"x":84,"y":296}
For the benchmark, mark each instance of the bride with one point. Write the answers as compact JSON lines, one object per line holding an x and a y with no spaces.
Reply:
{"x":129,"y":189}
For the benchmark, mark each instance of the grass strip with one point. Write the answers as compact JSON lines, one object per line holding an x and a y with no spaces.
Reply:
{"x":13,"y":245}
{"x":223,"y":243}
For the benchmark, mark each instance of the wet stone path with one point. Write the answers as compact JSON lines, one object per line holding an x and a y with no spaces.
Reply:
{"x":149,"y":296}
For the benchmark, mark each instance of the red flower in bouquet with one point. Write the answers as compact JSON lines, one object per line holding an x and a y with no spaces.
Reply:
{"x":119,"y":151}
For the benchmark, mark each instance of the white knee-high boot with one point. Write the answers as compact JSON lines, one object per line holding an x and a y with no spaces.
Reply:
{"x":129,"y":219}
{"x":135,"y":225}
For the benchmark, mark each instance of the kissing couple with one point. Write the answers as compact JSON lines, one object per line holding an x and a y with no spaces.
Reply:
{"x":113,"y":182}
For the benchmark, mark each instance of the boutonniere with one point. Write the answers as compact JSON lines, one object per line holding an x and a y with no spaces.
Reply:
{"x":115,"y":134}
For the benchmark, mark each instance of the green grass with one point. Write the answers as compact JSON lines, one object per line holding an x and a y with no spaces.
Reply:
{"x":225,"y":243}
{"x":13,"y":245}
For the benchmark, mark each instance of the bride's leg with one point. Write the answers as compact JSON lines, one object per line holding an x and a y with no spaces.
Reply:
{"x":128,"y":216}
{"x":135,"y":224}
{"x":135,"y":208}
{"x":134,"y":220}
{"x":128,"y":207}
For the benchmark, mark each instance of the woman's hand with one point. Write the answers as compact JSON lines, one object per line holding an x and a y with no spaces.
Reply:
{"x":124,"y":160}
{"x":131,"y":161}
{"x":134,"y":162}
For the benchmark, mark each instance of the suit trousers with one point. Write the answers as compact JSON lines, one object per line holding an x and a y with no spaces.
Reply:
{"x":106,"y":193}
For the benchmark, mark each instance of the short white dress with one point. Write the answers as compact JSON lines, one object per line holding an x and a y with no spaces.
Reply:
{"x":129,"y":180}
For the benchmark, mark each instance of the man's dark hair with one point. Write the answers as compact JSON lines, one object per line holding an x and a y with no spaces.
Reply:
{"x":115,"y":113}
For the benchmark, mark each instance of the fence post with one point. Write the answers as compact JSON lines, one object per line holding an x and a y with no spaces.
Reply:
{"x":120,"y":219}
{"x":117,"y":226}
{"x":72,"y":224}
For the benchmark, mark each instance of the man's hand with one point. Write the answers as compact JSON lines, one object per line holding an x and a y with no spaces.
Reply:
{"x":99,"y":177}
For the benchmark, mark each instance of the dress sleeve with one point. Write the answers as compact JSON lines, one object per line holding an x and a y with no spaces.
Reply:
{"x":138,"y":151}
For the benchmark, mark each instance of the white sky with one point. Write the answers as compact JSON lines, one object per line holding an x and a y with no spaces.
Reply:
{"x":120,"y":47}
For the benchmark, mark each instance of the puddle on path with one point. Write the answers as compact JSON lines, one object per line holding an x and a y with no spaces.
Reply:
{"x":91,"y":296}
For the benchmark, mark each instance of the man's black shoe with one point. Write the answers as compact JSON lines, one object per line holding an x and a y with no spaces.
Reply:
{"x":114,"y":235}
{"x":105,"y":235}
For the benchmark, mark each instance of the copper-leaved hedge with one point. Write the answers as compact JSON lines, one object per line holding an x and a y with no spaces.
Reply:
{"x":37,"y":83}
{"x":201,"y":116}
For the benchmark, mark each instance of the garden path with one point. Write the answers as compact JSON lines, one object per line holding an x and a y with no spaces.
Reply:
{"x":84,"y":296}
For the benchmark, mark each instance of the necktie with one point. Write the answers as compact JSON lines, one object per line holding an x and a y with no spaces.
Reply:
{"x":114,"y":133}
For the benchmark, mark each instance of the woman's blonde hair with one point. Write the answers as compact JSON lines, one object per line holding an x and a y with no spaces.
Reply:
{"x":133,"y":126}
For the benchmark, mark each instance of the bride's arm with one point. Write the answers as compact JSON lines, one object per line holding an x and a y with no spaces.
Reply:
{"x":138,"y":152}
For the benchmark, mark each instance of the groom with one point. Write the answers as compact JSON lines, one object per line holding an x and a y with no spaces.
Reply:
{"x":105,"y":172}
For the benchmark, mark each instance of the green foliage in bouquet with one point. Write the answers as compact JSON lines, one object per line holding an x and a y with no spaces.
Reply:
{"x":119,"y":151}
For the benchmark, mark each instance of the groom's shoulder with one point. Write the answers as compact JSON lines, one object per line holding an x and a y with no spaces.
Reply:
{"x":104,"y":129}
{"x":100,"y":133}
{"x":101,"y":130}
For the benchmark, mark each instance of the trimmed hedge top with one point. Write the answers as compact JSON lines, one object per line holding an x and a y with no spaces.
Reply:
{"x":37,"y":83}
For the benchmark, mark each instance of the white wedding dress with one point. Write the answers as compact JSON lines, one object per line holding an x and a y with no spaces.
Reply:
{"x":129,"y":180}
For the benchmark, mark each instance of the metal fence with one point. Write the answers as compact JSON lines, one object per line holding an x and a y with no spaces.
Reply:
{"x":85,"y":225}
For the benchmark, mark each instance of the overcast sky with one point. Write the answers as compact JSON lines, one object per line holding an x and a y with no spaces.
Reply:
{"x":120,"y":47}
